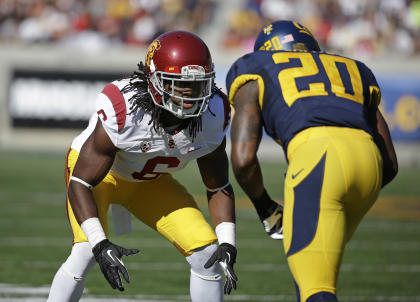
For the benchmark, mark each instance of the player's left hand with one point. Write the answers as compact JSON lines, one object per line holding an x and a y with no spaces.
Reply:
{"x":226,"y":256}
{"x":108,"y":256}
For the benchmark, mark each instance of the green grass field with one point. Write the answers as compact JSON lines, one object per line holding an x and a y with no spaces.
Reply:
{"x":381,"y":263}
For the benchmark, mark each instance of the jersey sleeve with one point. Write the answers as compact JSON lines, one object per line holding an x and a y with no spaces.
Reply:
{"x":373,"y":87}
{"x":111,"y":110}
{"x":239,"y":74}
{"x":216,"y":120}
{"x":226,"y":108}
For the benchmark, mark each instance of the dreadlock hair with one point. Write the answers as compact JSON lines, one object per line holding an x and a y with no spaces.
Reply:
{"x":143,"y":100}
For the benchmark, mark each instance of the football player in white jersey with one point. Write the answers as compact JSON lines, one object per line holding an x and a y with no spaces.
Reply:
{"x":145,"y":127}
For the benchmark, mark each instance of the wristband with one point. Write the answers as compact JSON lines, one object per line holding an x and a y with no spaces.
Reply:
{"x":93,"y":230}
{"x":225,"y":232}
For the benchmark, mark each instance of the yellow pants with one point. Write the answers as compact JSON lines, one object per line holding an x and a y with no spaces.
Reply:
{"x":163,"y":204}
{"x":333,"y":179}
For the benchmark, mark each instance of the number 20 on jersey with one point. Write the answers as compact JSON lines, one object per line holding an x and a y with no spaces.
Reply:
{"x":287,"y":77}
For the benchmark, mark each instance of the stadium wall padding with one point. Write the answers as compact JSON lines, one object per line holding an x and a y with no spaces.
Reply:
{"x":47,"y":93}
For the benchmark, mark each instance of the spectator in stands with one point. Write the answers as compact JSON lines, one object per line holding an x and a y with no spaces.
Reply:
{"x":99,"y":23}
{"x":363,"y":29}
{"x":371,"y":28}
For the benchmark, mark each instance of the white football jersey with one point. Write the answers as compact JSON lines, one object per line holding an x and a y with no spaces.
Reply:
{"x":145,"y":153}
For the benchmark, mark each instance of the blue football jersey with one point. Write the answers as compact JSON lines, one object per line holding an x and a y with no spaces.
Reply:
{"x":299,"y":89}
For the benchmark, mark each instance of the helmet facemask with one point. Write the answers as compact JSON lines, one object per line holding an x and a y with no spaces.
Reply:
{"x":186,"y":93}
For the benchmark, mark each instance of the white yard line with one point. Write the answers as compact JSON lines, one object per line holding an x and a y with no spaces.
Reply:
{"x":246,"y":267}
{"x":383,"y":245}
{"x":15,"y":293}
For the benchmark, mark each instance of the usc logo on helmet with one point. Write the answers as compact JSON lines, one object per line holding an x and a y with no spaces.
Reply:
{"x":151,"y":51}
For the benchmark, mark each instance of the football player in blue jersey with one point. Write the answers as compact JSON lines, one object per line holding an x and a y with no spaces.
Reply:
{"x":322,"y":109}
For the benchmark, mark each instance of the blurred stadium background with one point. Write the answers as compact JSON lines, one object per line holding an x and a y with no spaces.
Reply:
{"x":56,"y":55}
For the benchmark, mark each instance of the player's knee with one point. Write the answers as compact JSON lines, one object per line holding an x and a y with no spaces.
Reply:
{"x":322,"y":297}
{"x":80,"y":261}
{"x":199,"y":258}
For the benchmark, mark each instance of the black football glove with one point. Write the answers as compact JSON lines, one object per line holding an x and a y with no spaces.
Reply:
{"x":108,"y":255}
{"x":226,"y":256}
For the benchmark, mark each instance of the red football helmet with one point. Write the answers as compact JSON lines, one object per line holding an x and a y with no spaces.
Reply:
{"x":180,"y":73}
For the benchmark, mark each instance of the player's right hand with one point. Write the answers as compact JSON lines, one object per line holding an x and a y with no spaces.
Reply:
{"x":108,"y":256}
{"x":273,"y":224}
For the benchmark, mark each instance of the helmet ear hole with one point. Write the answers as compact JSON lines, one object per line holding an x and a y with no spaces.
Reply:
{"x":300,"y":46}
